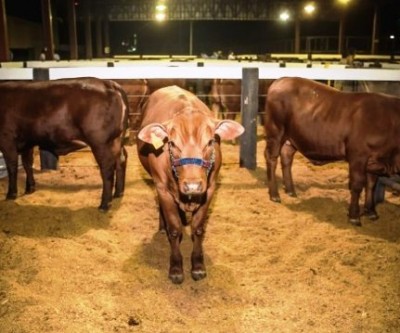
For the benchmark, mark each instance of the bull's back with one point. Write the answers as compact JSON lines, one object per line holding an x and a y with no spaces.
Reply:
{"x":322,"y":122}
{"x":166,"y":102}
{"x":315,"y":118}
{"x":62,"y":110}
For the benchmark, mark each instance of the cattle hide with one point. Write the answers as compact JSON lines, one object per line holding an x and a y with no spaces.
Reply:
{"x":179,"y":146}
{"x":137,"y":91}
{"x":225,"y":97}
{"x":327,"y":125}
{"x":61,"y":116}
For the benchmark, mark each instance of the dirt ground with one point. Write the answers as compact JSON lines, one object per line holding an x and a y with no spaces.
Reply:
{"x":298,"y":266}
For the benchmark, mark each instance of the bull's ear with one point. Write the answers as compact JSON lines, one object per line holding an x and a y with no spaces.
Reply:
{"x":228,"y":129}
{"x":154,"y":134}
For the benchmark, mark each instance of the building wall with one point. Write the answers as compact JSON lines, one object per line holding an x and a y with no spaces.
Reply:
{"x":25,"y":38}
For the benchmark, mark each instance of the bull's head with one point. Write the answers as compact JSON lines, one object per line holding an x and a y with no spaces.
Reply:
{"x":191,"y":147}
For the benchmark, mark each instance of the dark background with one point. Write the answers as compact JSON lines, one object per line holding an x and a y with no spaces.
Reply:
{"x":172,"y":37}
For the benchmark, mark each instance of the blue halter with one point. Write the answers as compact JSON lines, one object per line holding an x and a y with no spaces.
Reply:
{"x":176,"y":162}
{"x":192,"y":160}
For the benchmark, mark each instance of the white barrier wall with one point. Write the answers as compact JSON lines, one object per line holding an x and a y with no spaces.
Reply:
{"x":201,"y":70}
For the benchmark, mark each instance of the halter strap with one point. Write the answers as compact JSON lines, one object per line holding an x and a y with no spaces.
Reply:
{"x":176,"y":162}
{"x":192,"y":160}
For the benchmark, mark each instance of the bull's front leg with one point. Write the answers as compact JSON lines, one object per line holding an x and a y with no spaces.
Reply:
{"x":198,"y":225}
{"x":198,"y":232}
{"x":27,"y":162}
{"x":175,"y":260}
{"x":173,"y":225}
{"x":11,"y":160}
{"x":161,"y":221}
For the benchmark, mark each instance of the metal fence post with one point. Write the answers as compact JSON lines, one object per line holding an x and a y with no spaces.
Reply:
{"x":48,"y":160}
{"x":200,"y":86}
{"x":249,"y":108}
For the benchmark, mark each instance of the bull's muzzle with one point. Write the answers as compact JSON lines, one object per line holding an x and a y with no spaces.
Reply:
{"x":192,"y":187}
{"x":192,"y":193}
{"x":191,"y":161}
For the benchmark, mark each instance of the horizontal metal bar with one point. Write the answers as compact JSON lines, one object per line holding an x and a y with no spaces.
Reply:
{"x":208,"y":70}
{"x":16,"y":74}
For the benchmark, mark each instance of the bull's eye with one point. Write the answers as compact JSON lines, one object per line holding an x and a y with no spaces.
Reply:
{"x":174,"y":149}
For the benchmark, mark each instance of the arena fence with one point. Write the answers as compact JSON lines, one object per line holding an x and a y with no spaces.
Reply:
{"x":248,"y":72}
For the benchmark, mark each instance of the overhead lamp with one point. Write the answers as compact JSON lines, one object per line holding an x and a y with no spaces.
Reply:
{"x":284,"y":16}
{"x":309,"y":8}
{"x":160,"y":16}
{"x":161,"y":10}
{"x":161,"y":7}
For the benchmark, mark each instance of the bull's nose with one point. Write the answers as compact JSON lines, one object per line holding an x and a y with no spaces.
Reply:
{"x":192,"y":187}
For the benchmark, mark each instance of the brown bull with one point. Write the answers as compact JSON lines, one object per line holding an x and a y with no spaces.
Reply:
{"x":327,"y":125}
{"x":136,"y":90}
{"x":226,"y":94}
{"x":225,"y":97}
{"x":179,"y":146}
{"x":61,"y":116}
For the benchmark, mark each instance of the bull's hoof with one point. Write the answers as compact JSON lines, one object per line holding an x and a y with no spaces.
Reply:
{"x":373,"y":216}
{"x":176,"y":278}
{"x":118,"y":195}
{"x":291,"y":194}
{"x":11,"y":196}
{"x":29,"y":191}
{"x":275,"y":199}
{"x":199,"y":274}
{"x":104,"y":208}
{"x":355,"y":221}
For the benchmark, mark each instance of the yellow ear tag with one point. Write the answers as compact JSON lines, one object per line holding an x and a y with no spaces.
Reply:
{"x":156,"y":141}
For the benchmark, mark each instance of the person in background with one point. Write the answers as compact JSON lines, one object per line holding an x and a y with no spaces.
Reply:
{"x":231,"y":56}
{"x":348,"y":57}
{"x":347,"y":60}
{"x":42,"y":56}
{"x":56,"y":56}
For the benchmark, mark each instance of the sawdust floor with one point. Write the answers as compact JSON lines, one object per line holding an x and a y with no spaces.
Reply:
{"x":291,"y":267}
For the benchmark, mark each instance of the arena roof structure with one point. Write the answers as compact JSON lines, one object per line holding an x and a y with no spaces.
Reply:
{"x":137,"y":10}
{"x":97,"y":14}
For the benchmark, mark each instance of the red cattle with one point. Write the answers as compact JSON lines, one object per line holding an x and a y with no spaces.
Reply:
{"x":225,"y":97}
{"x":226,"y":94}
{"x":61,"y":116}
{"x":327,"y":125}
{"x":137,"y":91}
{"x":179,"y":146}
{"x":155,"y":84}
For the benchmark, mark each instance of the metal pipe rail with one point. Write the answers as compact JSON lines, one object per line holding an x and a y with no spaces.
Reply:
{"x":249,"y":73}
{"x":206,"y":71}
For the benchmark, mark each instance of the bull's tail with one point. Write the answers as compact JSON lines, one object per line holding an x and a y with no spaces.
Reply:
{"x":263,"y":100}
{"x":125,"y":121}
